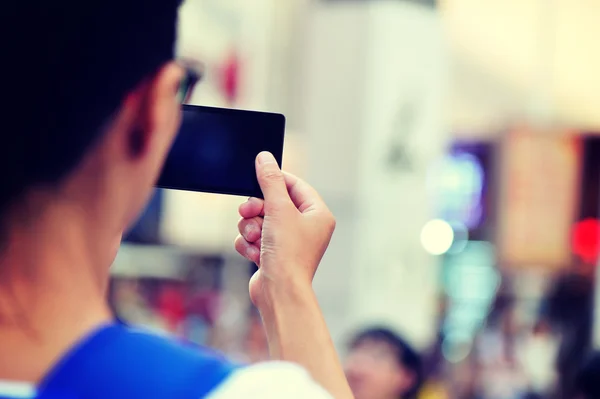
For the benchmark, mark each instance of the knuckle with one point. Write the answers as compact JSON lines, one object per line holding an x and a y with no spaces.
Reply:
{"x":329,"y":221}
{"x":275,"y":205}
{"x":272,"y":175}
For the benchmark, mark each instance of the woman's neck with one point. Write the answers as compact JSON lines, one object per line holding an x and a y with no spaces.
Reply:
{"x":52,"y":293}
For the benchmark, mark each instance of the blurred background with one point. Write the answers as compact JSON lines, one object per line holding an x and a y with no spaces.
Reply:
{"x":456,"y":142}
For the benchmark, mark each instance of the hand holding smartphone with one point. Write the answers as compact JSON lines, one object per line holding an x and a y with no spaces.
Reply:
{"x":215,"y":150}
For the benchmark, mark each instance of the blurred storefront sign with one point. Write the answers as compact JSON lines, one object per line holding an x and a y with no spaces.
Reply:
{"x":538,"y":198}
{"x":460,"y":187}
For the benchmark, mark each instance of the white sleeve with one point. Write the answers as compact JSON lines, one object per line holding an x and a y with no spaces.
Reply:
{"x":270,"y":380}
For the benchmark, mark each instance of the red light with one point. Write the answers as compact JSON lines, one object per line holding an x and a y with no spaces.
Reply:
{"x":230,"y":78}
{"x":585,"y":239}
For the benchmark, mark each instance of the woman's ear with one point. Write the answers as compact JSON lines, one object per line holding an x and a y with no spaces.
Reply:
{"x":155,"y":112}
{"x":161,"y":108}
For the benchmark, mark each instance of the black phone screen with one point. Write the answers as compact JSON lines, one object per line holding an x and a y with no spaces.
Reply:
{"x":215,"y":150}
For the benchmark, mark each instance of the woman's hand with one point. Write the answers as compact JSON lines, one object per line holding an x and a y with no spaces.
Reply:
{"x":286,"y":234}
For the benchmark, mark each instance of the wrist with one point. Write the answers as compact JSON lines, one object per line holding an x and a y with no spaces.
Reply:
{"x":278,"y":296}
{"x":286,"y":311}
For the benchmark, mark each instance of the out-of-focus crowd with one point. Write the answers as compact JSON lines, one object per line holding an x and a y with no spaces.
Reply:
{"x":509,"y":359}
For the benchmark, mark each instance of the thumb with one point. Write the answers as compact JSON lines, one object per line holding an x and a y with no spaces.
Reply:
{"x":304,"y":197}
{"x":270,"y":178}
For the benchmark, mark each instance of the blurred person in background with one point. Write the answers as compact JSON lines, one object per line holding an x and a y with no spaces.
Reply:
{"x":587,"y":384}
{"x":434,"y":384}
{"x":537,"y":354}
{"x":499,"y":373}
{"x":93,"y":105}
{"x":569,"y":307}
{"x":382,"y":365}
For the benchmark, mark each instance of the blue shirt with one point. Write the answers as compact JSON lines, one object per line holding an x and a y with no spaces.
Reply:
{"x":117,"y":361}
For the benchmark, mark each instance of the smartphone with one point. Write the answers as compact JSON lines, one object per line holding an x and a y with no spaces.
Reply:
{"x":215,"y":150}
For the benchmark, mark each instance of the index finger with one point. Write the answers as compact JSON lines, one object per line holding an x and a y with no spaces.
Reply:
{"x":252,"y":208}
{"x":303,"y":195}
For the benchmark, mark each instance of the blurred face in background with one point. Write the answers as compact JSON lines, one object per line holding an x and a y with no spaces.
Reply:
{"x":374,"y":371}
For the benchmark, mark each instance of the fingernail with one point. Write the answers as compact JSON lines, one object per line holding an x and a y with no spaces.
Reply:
{"x":265,"y":157}
{"x":251,"y":252}
{"x":249,"y":229}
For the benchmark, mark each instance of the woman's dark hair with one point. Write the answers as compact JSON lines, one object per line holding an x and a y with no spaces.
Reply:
{"x":66,"y":68}
{"x":406,"y":356}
